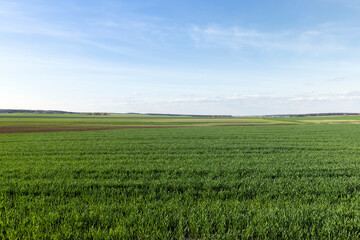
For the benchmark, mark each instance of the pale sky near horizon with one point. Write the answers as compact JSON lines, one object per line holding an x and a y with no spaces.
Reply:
{"x":192,"y":57}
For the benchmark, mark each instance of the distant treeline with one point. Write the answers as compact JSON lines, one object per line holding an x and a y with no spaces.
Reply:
{"x":256,"y":116}
{"x":49,"y":112}
{"x":313,"y":115}
{"x":34,"y":111}
{"x":177,"y":115}
{"x":182,"y":115}
{"x":95,"y":113}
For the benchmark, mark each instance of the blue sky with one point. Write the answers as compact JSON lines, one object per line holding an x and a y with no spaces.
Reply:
{"x":191,"y":57}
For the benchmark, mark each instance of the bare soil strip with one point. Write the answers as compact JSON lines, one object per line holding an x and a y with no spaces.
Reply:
{"x":47,"y":128}
{"x":62,"y":128}
{"x":255,"y":124}
{"x":343,"y":122}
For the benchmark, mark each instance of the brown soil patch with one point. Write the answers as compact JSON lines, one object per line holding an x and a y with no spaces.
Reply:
{"x":47,"y":128}
{"x":253,"y":125}
{"x":62,"y":128}
{"x":344,"y":122}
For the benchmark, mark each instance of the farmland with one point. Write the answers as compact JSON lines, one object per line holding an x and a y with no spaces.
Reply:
{"x":140,"y":177}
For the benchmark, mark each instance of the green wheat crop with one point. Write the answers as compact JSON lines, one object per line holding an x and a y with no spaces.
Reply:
{"x":261,"y":182}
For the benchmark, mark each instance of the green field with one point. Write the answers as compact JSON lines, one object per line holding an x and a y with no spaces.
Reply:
{"x":197,"y":181}
{"x":127,"y":120}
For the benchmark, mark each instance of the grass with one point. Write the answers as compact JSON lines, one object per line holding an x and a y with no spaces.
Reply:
{"x":247,"y":182}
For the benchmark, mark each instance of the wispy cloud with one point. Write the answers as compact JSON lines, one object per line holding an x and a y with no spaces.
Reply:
{"x":352,"y":95}
{"x":17,"y":19}
{"x":349,"y":3}
{"x":106,"y":56}
{"x":251,"y":104}
{"x":116,"y":34}
{"x":324,"y":39}
{"x":338,"y":79}
{"x":233,"y":37}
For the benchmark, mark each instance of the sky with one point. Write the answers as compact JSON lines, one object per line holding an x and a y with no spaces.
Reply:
{"x":236,"y":57}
